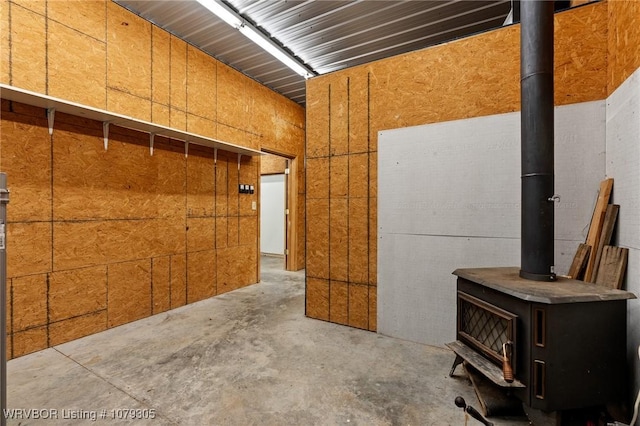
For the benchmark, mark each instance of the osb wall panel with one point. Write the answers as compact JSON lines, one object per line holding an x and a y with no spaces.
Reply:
{"x":29,"y":297}
{"x":338,"y":238}
{"x":178,"y":73}
{"x":441,"y":83}
{"x":161,"y":114}
{"x":74,"y":328}
{"x":38,"y":6}
{"x":88,"y":17}
{"x":339,"y":302}
{"x":160,"y":66}
{"x":121,"y":210}
{"x":272,"y":164}
{"x":317,"y":298}
{"x":339,"y":115}
{"x":32,"y":253}
{"x":26,"y":161}
{"x":169,"y":165}
{"x":262,"y":110}
{"x":5,"y":49}
{"x":302,"y":237}
{"x":222,"y":170}
{"x":128,"y":52}
{"x":359,"y":306}
{"x":77,"y":292}
{"x":128,"y":104}
{"x":358,"y":111}
{"x":31,"y":340}
{"x":201,"y":84}
{"x":317,"y":118}
{"x":77,"y":69}
{"x":358,"y":244}
{"x":230,"y":275}
{"x":28,"y":49}
{"x":624,"y":41}
{"x":87,"y":243}
{"x":232,"y":107}
{"x":317,"y":238}
{"x":234,"y":135}
{"x":178,"y":119}
{"x":201,"y":275}
{"x":202,"y":126}
{"x":470,"y":77}
{"x":98,"y":240}
{"x":178,"y":280}
{"x":581,"y":54}
{"x":129,"y":292}
{"x":161,"y":284}
{"x":201,"y":233}
{"x":200,"y":183}
{"x":85,"y":186}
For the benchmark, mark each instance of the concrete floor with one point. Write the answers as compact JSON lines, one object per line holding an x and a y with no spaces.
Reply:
{"x":249,"y":357}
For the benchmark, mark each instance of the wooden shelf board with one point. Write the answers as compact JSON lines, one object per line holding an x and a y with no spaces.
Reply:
{"x":17,"y":94}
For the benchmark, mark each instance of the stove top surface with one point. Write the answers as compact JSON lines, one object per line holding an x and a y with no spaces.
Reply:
{"x":564,"y":290}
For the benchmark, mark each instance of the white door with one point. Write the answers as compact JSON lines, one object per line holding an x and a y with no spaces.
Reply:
{"x":272,"y":214}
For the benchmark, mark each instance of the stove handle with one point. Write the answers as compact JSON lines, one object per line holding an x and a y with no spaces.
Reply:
{"x":507,"y":371}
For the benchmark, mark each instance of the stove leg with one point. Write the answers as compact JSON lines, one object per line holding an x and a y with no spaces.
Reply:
{"x":456,"y":363}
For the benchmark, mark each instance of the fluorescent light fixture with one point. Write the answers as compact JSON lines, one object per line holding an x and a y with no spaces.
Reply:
{"x":232,"y":18}
{"x":274,"y":50}
{"x":222,"y":12}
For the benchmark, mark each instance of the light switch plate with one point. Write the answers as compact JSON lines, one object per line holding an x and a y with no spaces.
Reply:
{"x":254,"y":205}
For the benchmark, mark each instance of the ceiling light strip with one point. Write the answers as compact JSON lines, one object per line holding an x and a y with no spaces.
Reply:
{"x":229,"y":16}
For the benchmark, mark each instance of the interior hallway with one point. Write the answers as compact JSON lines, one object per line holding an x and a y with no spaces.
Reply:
{"x":249,"y":357}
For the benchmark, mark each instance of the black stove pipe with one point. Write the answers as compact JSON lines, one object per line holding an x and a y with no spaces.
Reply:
{"x":536,"y":86}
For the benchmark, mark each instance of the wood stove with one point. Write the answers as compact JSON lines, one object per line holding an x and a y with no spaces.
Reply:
{"x":566,"y":339}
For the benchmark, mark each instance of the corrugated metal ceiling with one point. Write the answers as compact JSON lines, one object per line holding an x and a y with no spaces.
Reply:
{"x":325,"y":35}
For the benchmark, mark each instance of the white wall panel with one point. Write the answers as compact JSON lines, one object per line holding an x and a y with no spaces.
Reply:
{"x":623,"y":157}
{"x":449,"y":197}
{"x":421,"y":281}
{"x":623,"y":164}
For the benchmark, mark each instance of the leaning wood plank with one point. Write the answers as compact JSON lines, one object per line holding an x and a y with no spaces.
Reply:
{"x":595,"y":229}
{"x":612,"y":267}
{"x":579,"y":261}
{"x":605,"y":237}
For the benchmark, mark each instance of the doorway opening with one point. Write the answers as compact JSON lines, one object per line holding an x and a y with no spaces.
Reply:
{"x":278,"y":210}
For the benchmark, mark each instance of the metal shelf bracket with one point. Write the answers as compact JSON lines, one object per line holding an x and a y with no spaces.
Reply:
{"x":105,"y":131}
{"x":51,"y":113}
{"x":151,"y":137}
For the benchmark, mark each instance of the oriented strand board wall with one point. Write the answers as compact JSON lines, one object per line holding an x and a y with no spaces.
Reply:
{"x":471,"y":77}
{"x":624,"y":41}
{"x":100,"y":238}
{"x":272,"y":164}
